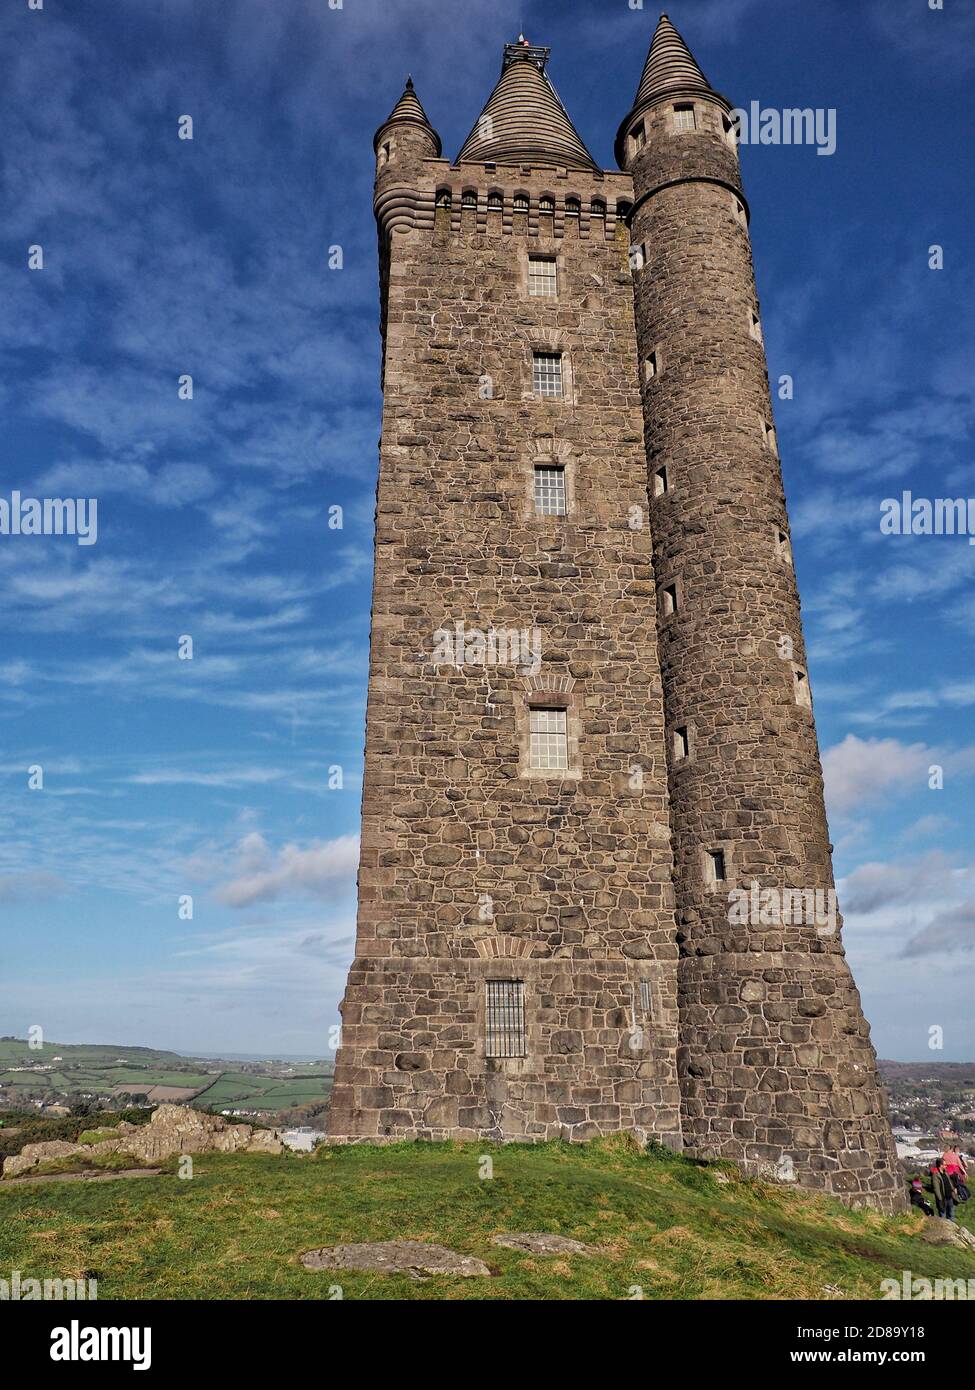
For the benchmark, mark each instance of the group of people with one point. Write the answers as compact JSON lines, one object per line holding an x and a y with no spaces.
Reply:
{"x":949,"y":1185}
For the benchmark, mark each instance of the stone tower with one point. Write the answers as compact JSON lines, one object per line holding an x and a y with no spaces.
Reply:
{"x":589,"y":725}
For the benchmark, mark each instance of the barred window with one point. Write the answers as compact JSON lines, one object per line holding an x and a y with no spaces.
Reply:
{"x":573,"y":207}
{"x":598,"y":207}
{"x":495,"y":202}
{"x":542,"y":277}
{"x":684,"y":118}
{"x":549,"y":490}
{"x":468,"y":198}
{"x":549,"y":739}
{"x":505,"y":1018}
{"x":521,"y":202}
{"x":645,"y":996}
{"x":547,"y":373}
{"x":546,"y":206}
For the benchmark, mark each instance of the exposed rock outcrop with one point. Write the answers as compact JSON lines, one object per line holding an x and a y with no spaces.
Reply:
{"x":172,"y":1129}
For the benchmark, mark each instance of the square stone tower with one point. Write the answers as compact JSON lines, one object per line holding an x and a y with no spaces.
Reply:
{"x":595,"y":880}
{"x":516,"y":963}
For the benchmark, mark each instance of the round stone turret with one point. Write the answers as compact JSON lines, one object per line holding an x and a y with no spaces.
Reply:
{"x":776,"y":1066}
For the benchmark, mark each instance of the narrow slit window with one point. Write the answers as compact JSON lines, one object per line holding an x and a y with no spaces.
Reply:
{"x":638,"y":256}
{"x":783,"y":546}
{"x":650,"y":366}
{"x":549,"y":739}
{"x":769,"y":432}
{"x":639,"y":136}
{"x":660,"y":482}
{"x":803,"y":696}
{"x":670,"y":599}
{"x":716,"y":866}
{"x":756,"y":326}
{"x":542,"y":277}
{"x":684,"y":118}
{"x":505,"y":1018}
{"x":730,"y":132}
{"x":547,"y":374}
{"x":645,"y":997}
{"x":740,"y":211}
{"x":549,"y":490}
{"x":682,"y":746}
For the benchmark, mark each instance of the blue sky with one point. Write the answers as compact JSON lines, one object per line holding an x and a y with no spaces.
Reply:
{"x":165,"y":257}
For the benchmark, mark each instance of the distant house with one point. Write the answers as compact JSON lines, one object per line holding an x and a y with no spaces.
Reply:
{"x":301,"y":1140}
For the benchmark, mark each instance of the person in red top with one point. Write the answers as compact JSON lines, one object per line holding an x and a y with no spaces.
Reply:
{"x":957,"y":1173}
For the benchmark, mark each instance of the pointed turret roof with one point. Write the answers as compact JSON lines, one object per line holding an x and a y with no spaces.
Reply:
{"x":670,"y":66}
{"x":670,"y":70}
{"x":524,"y":122}
{"x":409,"y":111}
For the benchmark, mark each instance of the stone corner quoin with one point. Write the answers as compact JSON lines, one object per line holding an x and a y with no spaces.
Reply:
{"x":581,"y":732}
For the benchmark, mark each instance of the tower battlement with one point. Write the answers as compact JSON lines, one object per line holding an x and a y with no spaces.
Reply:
{"x":583,"y":739}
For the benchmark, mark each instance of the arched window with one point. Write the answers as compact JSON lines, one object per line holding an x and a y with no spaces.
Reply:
{"x":598,"y":207}
{"x":546,"y":206}
{"x":623,"y":211}
{"x":572,"y":207}
{"x":495,"y":202}
{"x":468,"y":199}
{"x":521,"y":202}
{"x":444,"y":199}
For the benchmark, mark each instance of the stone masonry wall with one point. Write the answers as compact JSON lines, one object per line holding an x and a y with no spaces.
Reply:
{"x":473,"y":866}
{"x":777,"y":1070}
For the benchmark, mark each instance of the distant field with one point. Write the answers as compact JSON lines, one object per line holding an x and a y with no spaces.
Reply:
{"x":108,"y":1070}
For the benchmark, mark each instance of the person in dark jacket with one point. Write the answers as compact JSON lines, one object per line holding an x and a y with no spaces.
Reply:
{"x":917,"y":1197}
{"x":944,"y":1193}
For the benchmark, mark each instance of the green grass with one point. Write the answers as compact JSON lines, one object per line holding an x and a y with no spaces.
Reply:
{"x":238,"y":1227}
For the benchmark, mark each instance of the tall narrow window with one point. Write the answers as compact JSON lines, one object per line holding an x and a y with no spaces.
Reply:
{"x":682,"y":746}
{"x":645,"y":997}
{"x":573,"y":207}
{"x":802,"y":694}
{"x":549,"y":739}
{"x":495,"y":202}
{"x":669,"y":599}
{"x":547,"y":373}
{"x":650,"y":367}
{"x":783,"y":546}
{"x":468,"y":199}
{"x":549,"y":490}
{"x":684,"y":118}
{"x":542,"y":277}
{"x":546,"y":206}
{"x":520,"y":202}
{"x":769,"y":432}
{"x":715,"y":866}
{"x":504,"y":1018}
{"x":598,"y":208}
{"x":639,"y":136}
{"x":756,"y":327}
{"x":660,"y":483}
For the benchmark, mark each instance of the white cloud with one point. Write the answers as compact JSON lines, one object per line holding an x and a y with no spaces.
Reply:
{"x":261,"y":875}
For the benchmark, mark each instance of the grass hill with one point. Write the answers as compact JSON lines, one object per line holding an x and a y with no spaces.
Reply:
{"x":670,"y":1227}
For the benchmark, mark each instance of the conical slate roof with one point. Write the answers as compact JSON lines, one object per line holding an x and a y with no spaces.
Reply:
{"x":408,"y":110}
{"x":670,"y":66}
{"x":524,"y":122}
